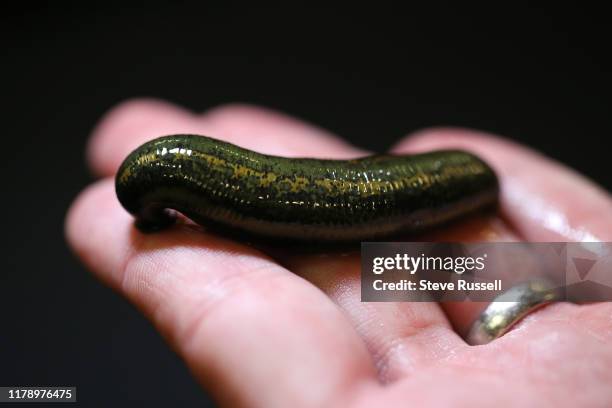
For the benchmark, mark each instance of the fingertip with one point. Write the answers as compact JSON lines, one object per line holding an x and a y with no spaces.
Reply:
{"x":130,"y":124}
{"x":95,"y":220}
{"x":270,"y":131}
{"x":254,"y":115}
{"x":245,"y":110}
{"x":451,"y":137}
{"x":78,"y":212}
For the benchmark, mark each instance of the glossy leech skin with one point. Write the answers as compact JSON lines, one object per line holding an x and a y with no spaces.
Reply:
{"x":223,"y":186}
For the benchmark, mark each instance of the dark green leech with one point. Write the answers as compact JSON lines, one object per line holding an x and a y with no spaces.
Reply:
{"x":224,"y":186}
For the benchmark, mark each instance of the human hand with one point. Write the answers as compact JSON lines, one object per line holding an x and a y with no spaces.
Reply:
{"x":290,"y":330}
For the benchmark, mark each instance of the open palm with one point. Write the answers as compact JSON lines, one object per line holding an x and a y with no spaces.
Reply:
{"x":289,"y":330}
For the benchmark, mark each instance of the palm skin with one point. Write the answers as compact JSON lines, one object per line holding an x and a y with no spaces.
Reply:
{"x":289,"y":329}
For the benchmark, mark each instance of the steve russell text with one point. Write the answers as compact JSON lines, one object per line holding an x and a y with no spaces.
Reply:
{"x":412,"y":264}
{"x":424,"y":284}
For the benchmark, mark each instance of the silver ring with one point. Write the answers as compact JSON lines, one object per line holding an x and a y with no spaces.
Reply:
{"x":509,"y":308}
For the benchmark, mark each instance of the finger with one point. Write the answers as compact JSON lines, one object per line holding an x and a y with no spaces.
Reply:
{"x":273,"y":132}
{"x":135,"y":122}
{"x":252,"y":332}
{"x":542,"y":199}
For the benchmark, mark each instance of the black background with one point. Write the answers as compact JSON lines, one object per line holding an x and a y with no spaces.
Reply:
{"x":372,"y":75}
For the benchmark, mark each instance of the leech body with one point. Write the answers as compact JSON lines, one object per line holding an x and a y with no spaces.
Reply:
{"x":221,"y":185}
